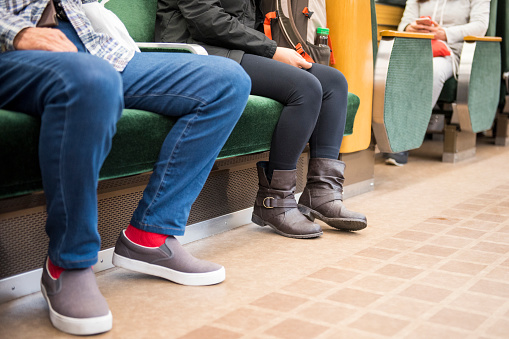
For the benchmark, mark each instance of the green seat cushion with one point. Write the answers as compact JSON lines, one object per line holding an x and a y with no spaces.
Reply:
{"x":136,"y":144}
{"x":19,"y":140}
{"x":448,"y":94}
{"x":353,"y":105}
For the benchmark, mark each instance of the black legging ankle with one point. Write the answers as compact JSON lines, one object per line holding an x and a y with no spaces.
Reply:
{"x":315,"y":103}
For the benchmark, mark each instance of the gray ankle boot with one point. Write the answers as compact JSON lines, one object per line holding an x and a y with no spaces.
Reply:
{"x":323,"y":196}
{"x":276,"y":207}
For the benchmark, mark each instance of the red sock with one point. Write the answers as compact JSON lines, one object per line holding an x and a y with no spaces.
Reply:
{"x":53,"y":270}
{"x":144,"y":238}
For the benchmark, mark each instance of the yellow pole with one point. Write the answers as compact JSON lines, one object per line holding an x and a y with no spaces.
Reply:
{"x":350,"y":33}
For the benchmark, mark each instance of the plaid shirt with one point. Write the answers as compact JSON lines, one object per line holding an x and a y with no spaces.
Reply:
{"x":18,"y":14}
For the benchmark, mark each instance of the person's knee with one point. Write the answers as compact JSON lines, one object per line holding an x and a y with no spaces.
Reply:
{"x":333,"y":79}
{"x":340,"y":80}
{"x":307,"y":90}
{"x":96,"y":87}
{"x":231,"y":84}
{"x":233,"y":77}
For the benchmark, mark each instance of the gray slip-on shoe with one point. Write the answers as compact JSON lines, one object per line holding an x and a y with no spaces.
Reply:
{"x":76,"y":305}
{"x":169,"y":261}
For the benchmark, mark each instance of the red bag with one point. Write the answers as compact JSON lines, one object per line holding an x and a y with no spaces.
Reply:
{"x":439,"y":48}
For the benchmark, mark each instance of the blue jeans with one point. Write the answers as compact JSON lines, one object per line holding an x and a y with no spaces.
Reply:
{"x":80,"y":97}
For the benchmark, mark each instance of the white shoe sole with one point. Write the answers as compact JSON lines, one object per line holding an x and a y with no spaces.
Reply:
{"x":191,"y":279}
{"x":78,"y":326}
{"x":391,"y":161}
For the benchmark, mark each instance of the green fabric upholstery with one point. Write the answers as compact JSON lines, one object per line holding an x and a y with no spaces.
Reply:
{"x":353,"y":105}
{"x":374,"y":30}
{"x":139,"y":17}
{"x":407,"y":102}
{"x":492,"y":28}
{"x":19,"y":140}
{"x":484,"y":88}
{"x":448,"y":93}
{"x":136,"y":144}
{"x":503,"y":32}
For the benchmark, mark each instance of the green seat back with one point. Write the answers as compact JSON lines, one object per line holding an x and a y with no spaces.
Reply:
{"x":139,"y":17}
{"x":503,"y":32}
{"x":492,"y":28}
{"x":374,"y":30}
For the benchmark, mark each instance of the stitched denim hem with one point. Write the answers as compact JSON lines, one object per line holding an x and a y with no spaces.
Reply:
{"x":167,"y":230}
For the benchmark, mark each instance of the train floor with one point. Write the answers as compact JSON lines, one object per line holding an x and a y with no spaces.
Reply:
{"x":433,"y":263}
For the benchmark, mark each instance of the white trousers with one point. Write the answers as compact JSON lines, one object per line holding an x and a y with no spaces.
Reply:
{"x":442,"y":71}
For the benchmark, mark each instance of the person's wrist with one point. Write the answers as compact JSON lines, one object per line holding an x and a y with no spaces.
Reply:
{"x":18,"y":37}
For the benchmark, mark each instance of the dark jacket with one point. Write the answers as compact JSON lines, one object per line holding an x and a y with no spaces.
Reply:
{"x":224,"y":27}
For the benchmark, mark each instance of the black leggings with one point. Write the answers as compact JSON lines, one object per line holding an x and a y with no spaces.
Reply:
{"x":315,"y":103}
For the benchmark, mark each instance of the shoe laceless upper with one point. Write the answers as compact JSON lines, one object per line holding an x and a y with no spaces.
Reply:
{"x":75,"y":294}
{"x":171,"y":255}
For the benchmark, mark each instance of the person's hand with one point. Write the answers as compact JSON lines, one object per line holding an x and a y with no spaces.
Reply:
{"x":419,"y":27}
{"x":438,"y":32}
{"x":291,"y":57}
{"x":45,"y":39}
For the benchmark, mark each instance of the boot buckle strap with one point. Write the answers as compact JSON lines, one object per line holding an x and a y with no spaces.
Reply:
{"x":265,"y":200}
{"x":332,"y":196}
{"x":271,"y":202}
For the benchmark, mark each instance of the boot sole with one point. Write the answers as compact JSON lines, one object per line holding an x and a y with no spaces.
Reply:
{"x":343,"y":224}
{"x":260,"y":222}
{"x":78,"y":326}
{"x":183,"y":278}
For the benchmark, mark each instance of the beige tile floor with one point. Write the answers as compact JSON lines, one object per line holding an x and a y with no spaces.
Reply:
{"x":433,"y":263}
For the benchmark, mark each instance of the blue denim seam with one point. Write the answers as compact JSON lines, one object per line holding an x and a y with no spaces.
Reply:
{"x":170,"y":160}
{"x":64,"y":132}
{"x":64,"y":205}
{"x":178,"y":230}
{"x":200,"y":100}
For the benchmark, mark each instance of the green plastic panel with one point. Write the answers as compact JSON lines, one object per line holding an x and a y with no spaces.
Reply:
{"x":408,"y":93}
{"x":484,"y":88}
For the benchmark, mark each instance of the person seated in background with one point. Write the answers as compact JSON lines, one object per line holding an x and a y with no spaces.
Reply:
{"x":450,"y":21}
{"x":78,"y":81}
{"x":315,"y":106}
